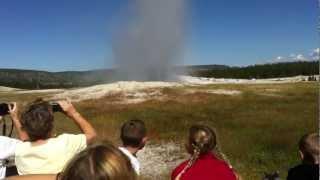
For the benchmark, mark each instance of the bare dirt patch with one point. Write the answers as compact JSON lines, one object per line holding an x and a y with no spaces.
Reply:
{"x":131,"y":90}
{"x":214,"y":91}
{"x":158,"y":160}
{"x":7,"y":89}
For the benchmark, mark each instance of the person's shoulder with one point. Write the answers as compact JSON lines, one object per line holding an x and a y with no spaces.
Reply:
{"x":214,"y":165}
{"x":178,"y":169}
{"x":73,"y":143}
{"x":302,"y":171}
{"x":67,"y":139}
{"x":66,"y":136}
{"x":122,"y":149}
{"x":182,"y":164}
{"x":222,"y":164}
{"x":300,"y":167}
{"x":295,"y":172}
{"x":216,"y":162}
{"x":5,"y":139}
{"x":132,"y":158}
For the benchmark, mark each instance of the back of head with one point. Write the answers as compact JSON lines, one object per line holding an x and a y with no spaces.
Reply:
{"x":309,"y":147}
{"x":202,"y":139}
{"x":99,"y":162}
{"x":37,"y":120}
{"x":133,"y":132}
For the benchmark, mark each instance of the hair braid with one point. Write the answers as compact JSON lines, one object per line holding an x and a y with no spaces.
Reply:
{"x":192,"y":160}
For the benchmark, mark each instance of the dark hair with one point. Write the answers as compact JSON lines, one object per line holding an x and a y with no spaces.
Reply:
{"x":37,"y":121}
{"x":133,"y":132}
{"x":309,"y":146}
{"x":99,"y":162}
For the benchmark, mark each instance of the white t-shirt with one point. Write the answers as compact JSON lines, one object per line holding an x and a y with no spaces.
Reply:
{"x":8,"y":147}
{"x":48,"y":158}
{"x":134,"y":161}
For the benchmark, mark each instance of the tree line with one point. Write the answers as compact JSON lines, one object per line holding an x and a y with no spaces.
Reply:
{"x":272,"y":70}
{"x":29,"y":79}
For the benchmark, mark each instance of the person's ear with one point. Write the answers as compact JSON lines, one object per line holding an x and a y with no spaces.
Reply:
{"x":145,"y":139}
{"x":143,"y":142}
{"x":301,"y":154}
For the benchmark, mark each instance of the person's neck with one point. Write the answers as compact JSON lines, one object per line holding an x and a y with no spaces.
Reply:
{"x":39,"y":142}
{"x":132,"y":150}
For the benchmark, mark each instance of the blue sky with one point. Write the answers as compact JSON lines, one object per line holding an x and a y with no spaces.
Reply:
{"x":64,"y":35}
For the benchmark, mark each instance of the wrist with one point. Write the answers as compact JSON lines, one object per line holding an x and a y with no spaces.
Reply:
{"x":74,"y":114}
{"x":15,"y":118}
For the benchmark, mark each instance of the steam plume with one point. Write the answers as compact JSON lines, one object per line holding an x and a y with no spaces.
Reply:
{"x":148,"y":47}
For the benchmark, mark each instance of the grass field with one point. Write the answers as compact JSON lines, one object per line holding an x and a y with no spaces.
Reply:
{"x":258,"y":130}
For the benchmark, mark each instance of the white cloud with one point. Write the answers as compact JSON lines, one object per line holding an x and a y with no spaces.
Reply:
{"x":300,"y":57}
{"x":293,"y":57}
{"x":279,"y":58}
{"x":315,"y":54}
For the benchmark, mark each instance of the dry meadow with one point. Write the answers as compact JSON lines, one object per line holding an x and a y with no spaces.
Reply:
{"x":258,"y":125}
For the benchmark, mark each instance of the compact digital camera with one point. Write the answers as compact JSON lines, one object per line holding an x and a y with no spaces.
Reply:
{"x":4,"y":108}
{"x":55,"y":106}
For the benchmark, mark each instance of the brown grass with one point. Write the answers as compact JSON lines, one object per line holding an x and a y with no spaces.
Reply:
{"x":258,"y":130}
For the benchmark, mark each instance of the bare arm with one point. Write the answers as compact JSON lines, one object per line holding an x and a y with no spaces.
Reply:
{"x":80,"y":121}
{"x":33,"y":177}
{"x":23,"y":136}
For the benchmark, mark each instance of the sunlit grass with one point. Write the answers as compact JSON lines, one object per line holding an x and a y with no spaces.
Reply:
{"x":258,"y":130}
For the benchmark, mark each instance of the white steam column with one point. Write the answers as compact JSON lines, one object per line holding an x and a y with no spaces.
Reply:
{"x":150,"y":44}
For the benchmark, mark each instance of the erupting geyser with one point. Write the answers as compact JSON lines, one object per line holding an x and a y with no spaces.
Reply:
{"x":150,"y":44}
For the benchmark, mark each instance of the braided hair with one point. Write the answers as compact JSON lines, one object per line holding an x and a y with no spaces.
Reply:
{"x":202,"y":139}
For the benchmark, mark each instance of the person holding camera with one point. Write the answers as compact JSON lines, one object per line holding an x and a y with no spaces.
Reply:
{"x":41,"y":153}
{"x":7,"y":145}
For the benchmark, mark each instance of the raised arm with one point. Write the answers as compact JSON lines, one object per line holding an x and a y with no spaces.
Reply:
{"x":33,"y":177}
{"x":13,"y":110}
{"x":81,"y":122}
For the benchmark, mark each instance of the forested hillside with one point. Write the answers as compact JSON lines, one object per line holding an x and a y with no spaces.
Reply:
{"x":285,"y":69}
{"x":29,"y":79}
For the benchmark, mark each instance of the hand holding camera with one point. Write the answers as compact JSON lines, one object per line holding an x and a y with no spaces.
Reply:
{"x":9,"y":108}
{"x":64,"y":106}
{"x":55,"y":106}
{"x":4,"y":108}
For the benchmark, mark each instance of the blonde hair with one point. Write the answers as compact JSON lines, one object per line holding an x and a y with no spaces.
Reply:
{"x":97,"y":162}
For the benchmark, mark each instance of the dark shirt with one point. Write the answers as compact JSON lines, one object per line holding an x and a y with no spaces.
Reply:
{"x":304,"y":172}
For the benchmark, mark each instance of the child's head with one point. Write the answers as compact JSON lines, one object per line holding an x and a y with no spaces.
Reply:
{"x":133,"y":134}
{"x":202,"y":139}
{"x":309,"y":148}
{"x":100,"y":161}
{"x":37,"y":121}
